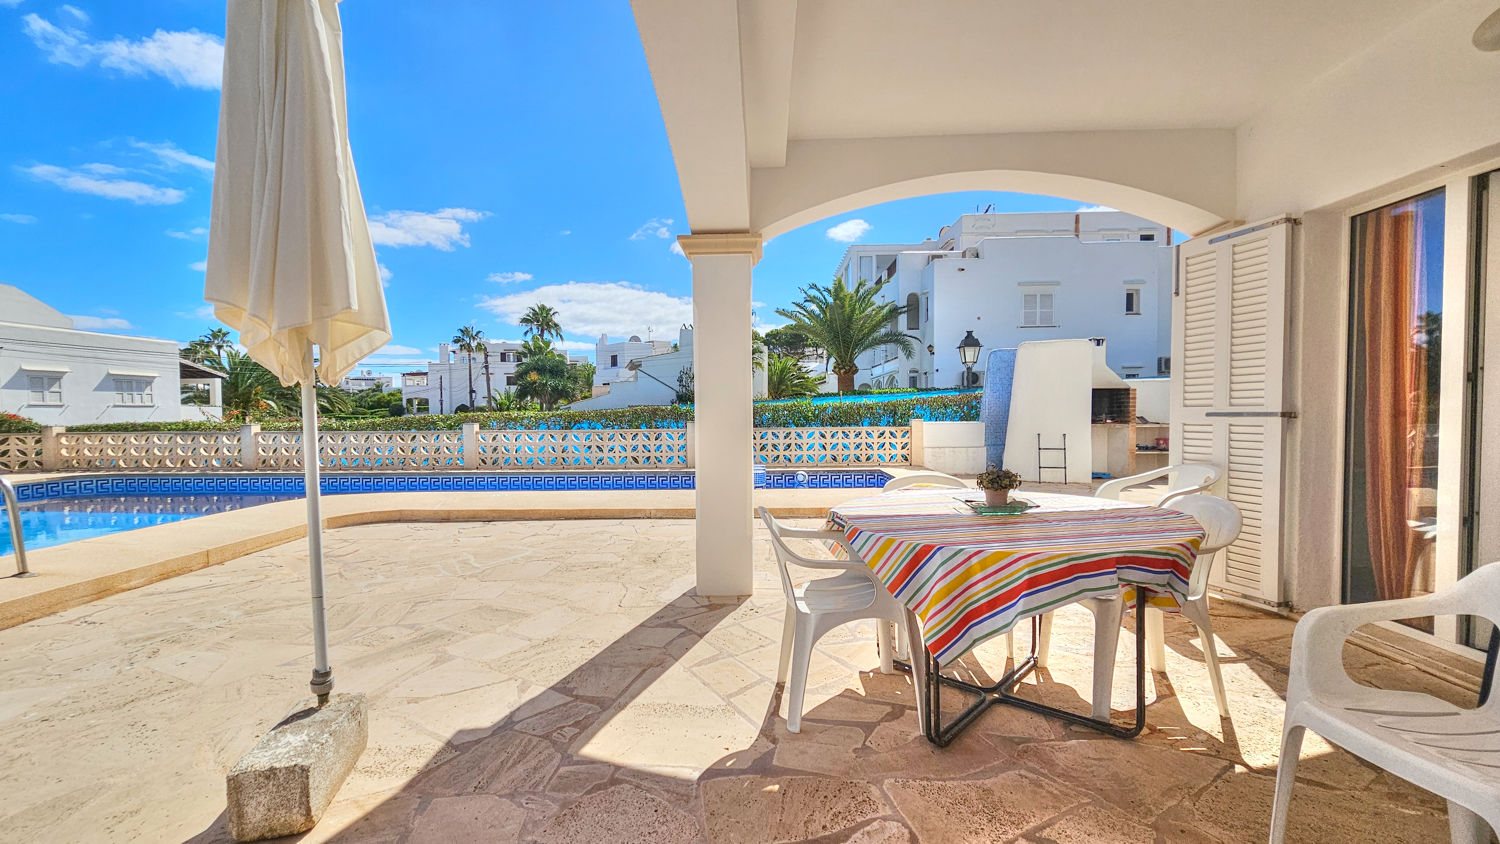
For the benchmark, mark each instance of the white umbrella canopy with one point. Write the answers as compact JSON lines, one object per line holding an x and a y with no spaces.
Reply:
{"x":290,"y":262}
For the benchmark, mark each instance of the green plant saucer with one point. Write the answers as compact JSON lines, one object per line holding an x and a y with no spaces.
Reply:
{"x":1016,"y":507}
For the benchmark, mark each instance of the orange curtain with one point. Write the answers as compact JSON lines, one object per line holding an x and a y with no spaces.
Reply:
{"x":1395,"y":397}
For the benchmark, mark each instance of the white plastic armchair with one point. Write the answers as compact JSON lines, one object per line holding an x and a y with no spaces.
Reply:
{"x":1182,"y":479}
{"x":928,"y":478}
{"x":1450,"y":751}
{"x":818,"y":606}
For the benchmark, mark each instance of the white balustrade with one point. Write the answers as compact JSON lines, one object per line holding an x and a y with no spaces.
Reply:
{"x":813,"y":447}
{"x":425,"y":451}
{"x":149,"y":450}
{"x":20,"y":452}
{"x":583,"y":449}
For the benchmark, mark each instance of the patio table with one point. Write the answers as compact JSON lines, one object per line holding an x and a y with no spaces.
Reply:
{"x":965,"y":577}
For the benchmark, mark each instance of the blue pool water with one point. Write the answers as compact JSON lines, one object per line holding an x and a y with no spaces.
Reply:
{"x":56,"y":521}
{"x":80,"y":507}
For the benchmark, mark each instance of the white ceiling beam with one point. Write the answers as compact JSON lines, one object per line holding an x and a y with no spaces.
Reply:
{"x":1184,"y":178}
{"x":768,"y":34}
{"x":693,"y":49}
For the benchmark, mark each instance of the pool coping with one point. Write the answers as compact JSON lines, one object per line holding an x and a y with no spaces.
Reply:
{"x":87,"y":570}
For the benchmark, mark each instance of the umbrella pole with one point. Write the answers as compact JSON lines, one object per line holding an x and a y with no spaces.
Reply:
{"x":322,"y":677}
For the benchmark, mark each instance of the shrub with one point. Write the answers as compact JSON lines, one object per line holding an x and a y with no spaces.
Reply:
{"x":782,"y":414}
{"x":13,"y":424}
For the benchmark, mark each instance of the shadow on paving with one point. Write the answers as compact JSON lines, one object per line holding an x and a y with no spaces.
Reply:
{"x":859,"y":770}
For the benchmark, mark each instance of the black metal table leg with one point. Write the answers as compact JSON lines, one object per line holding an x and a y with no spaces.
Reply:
{"x":1002,"y":692}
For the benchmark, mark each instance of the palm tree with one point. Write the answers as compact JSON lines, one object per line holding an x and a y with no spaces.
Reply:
{"x":785,"y":378}
{"x":541,"y":321}
{"x":847,"y":322}
{"x":217,"y":339}
{"x":469,"y":340}
{"x":543,"y":375}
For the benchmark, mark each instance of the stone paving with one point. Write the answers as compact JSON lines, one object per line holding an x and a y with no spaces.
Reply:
{"x":559,"y":682}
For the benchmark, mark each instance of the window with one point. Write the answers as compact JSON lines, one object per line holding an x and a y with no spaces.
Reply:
{"x":913,"y":312}
{"x":911,"y":380}
{"x":1148,"y":235}
{"x":614,"y":360}
{"x":45,"y":389}
{"x":867,"y":267}
{"x":1036,"y":310}
{"x":1133,"y":302}
{"x":1164,"y":365}
{"x":133,"y":392}
{"x":510,"y":380}
{"x":1395,"y":322}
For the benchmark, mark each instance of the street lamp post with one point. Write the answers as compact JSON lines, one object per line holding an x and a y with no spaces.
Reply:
{"x":968,"y":354}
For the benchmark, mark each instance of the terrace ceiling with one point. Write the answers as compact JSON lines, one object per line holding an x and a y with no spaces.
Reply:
{"x":781,"y":111}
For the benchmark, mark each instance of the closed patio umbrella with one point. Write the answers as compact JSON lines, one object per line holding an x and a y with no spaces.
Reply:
{"x":290,"y":262}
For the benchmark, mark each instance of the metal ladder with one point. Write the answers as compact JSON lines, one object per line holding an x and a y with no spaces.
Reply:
{"x":1039,"y":451}
{"x":13,"y":509}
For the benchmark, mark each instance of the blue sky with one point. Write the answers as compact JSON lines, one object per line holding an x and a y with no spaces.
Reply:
{"x":508,"y":153}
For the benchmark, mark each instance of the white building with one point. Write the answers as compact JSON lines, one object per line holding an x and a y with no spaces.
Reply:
{"x":357,"y":382}
{"x":653,"y":383}
{"x":610,"y":358}
{"x":446,"y":383}
{"x":57,"y":375}
{"x":1012,"y":278}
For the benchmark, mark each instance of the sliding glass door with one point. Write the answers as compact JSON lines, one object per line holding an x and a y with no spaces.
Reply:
{"x":1482,"y":463}
{"x":1395,"y":330}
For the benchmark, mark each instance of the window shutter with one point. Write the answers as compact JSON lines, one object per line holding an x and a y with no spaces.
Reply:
{"x":1229,"y":333}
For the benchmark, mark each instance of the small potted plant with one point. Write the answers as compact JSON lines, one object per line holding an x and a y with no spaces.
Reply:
{"x":997,"y":484}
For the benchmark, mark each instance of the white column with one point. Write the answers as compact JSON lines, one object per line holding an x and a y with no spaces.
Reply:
{"x":725,"y":497}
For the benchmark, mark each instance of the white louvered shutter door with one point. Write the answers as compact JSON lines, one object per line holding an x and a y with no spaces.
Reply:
{"x":1229,"y":319}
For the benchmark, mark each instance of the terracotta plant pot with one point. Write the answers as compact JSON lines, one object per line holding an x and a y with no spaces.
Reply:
{"x":996,"y":497}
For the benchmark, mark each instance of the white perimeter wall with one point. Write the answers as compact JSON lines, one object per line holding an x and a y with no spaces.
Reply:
{"x":1052,"y":395}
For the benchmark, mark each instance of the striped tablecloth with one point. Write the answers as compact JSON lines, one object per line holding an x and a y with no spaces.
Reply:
{"x":969,"y":577}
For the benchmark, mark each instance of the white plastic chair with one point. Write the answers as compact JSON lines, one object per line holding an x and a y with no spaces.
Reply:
{"x":818,"y":606}
{"x":1452,"y":752}
{"x":1182,"y":479}
{"x":1220,"y":521}
{"x":929,"y":478}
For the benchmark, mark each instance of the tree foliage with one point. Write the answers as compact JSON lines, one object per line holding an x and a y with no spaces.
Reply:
{"x":846,"y":322}
{"x":541,"y":321}
{"x":786,"y":379}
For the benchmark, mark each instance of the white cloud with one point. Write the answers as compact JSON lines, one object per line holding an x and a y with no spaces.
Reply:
{"x":441,"y":229}
{"x":509,"y":277}
{"x":385,"y":272}
{"x":676,"y":249}
{"x":62,"y":45}
{"x":199,"y":266}
{"x":189,"y":59}
{"x":594,"y":308}
{"x":201,"y":312}
{"x":11,"y":4}
{"x":100,"y":169}
{"x":573,"y":345}
{"x":848,"y":231}
{"x":174,"y":157}
{"x":565,"y":232}
{"x":1096,"y":208}
{"x":83,"y":322}
{"x":654,"y":227}
{"x":196,"y":233}
{"x":396,"y":349}
{"x":23,"y":219}
{"x":78,"y":14}
{"x":113,"y":188}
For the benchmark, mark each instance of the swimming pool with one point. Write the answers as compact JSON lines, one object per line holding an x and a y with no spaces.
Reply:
{"x":54,"y":512}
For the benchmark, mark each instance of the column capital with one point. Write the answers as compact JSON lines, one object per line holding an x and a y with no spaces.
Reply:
{"x":721,"y":243}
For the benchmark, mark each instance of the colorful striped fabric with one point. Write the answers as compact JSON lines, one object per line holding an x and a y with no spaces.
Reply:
{"x":969,"y":577}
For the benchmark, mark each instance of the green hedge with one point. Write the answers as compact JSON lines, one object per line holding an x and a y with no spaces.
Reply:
{"x":784,"y":414}
{"x":13,"y":424}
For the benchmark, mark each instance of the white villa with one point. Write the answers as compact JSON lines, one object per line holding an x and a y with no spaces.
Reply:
{"x":356,"y":382}
{"x":1011,"y":278}
{"x":653,"y":383}
{"x":445,"y":384}
{"x":610,"y":358}
{"x":55,"y":374}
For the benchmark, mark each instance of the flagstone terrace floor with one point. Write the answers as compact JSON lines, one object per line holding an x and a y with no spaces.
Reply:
{"x":558,"y":682}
